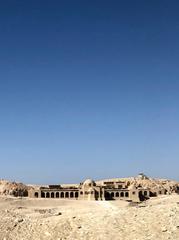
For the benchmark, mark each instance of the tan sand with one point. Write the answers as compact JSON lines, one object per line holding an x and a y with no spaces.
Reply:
{"x":33,"y":219}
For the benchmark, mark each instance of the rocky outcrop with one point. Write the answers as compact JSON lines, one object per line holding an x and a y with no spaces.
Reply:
{"x":13,"y":188}
{"x":144,"y":181}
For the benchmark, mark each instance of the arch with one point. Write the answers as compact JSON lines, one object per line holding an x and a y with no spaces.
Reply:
{"x":117,"y":194}
{"x":47,"y":195}
{"x":67,"y":195}
{"x":122,"y":194}
{"x":141,"y":196}
{"x":107,"y":196}
{"x":112,"y":194}
{"x":52,"y":195}
{"x":25,"y":193}
{"x":36,"y":194}
{"x":76,"y":194}
{"x":126,"y":194}
{"x":57,"y":195}
{"x":42,"y":194}
{"x":62,"y":195}
{"x":89,"y":182}
{"x":71,"y":194}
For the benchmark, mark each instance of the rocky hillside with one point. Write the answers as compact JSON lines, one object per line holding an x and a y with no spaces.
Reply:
{"x":13,"y":188}
{"x":143,"y":181}
{"x":169,"y":185}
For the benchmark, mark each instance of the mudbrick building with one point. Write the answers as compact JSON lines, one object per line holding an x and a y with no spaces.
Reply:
{"x":91,"y":190}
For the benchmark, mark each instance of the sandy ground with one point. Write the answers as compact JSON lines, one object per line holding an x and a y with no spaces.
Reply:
{"x":54,"y":219}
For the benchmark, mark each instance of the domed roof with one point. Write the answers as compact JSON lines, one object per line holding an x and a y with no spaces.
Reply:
{"x":132,"y":187}
{"x":89,"y":182}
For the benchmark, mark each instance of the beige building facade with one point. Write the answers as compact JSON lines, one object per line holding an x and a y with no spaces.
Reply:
{"x":90,"y":190}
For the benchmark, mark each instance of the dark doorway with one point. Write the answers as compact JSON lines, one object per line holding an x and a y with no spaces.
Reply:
{"x":142,"y":197}
{"x":42,"y":194}
{"x":62,"y":194}
{"x":96,"y":195}
{"x":112,"y":195}
{"x":107,"y":196}
{"x":36,"y":194}
{"x":122,"y":194}
{"x":152,"y":194}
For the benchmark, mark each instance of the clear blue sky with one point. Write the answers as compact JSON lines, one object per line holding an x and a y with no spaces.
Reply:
{"x":88,"y":88}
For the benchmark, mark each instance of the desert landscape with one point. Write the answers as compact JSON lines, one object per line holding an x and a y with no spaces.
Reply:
{"x":89,"y":120}
{"x":24,"y":218}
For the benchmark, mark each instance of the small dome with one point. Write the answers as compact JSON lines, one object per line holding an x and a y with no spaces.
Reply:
{"x":132,"y":187}
{"x":89,"y":182}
